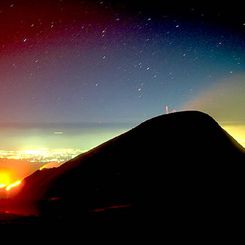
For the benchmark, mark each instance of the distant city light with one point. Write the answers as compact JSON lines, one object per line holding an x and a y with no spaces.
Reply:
{"x":41,"y":155}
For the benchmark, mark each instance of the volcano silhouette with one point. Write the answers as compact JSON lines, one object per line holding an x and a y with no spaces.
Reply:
{"x":180,"y":168}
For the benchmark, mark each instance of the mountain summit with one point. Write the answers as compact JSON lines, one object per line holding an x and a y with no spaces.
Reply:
{"x":181,"y":168}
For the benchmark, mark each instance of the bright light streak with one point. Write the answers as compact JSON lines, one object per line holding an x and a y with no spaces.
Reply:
{"x":50,"y":165}
{"x":43,"y":167}
{"x":13,"y":185}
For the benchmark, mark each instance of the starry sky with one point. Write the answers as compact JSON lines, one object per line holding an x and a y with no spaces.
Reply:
{"x":100,"y":61}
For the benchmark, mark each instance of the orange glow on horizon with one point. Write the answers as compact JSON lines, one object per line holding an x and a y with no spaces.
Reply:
{"x":12,"y":171}
{"x":5,"y":179}
{"x":7,"y":183}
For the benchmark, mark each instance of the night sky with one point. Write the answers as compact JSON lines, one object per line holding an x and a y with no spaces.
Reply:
{"x":99,"y":61}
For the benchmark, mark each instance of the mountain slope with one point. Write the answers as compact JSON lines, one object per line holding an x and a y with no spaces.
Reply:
{"x":180,"y":166}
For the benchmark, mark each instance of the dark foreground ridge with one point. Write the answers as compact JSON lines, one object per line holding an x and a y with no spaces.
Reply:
{"x":182,"y":170}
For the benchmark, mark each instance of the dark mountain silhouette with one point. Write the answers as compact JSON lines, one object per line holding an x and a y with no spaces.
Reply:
{"x":181,"y":169}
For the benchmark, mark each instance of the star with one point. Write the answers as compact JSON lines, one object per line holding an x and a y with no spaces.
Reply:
{"x":219,"y":44}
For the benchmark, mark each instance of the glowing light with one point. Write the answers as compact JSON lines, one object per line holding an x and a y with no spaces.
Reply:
{"x":50,"y":165}
{"x":6,"y":182}
{"x":224,"y":101}
{"x":4,"y":179}
{"x":237,"y":132}
{"x":2,"y":186}
{"x":13,"y":185}
{"x":43,"y":167}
